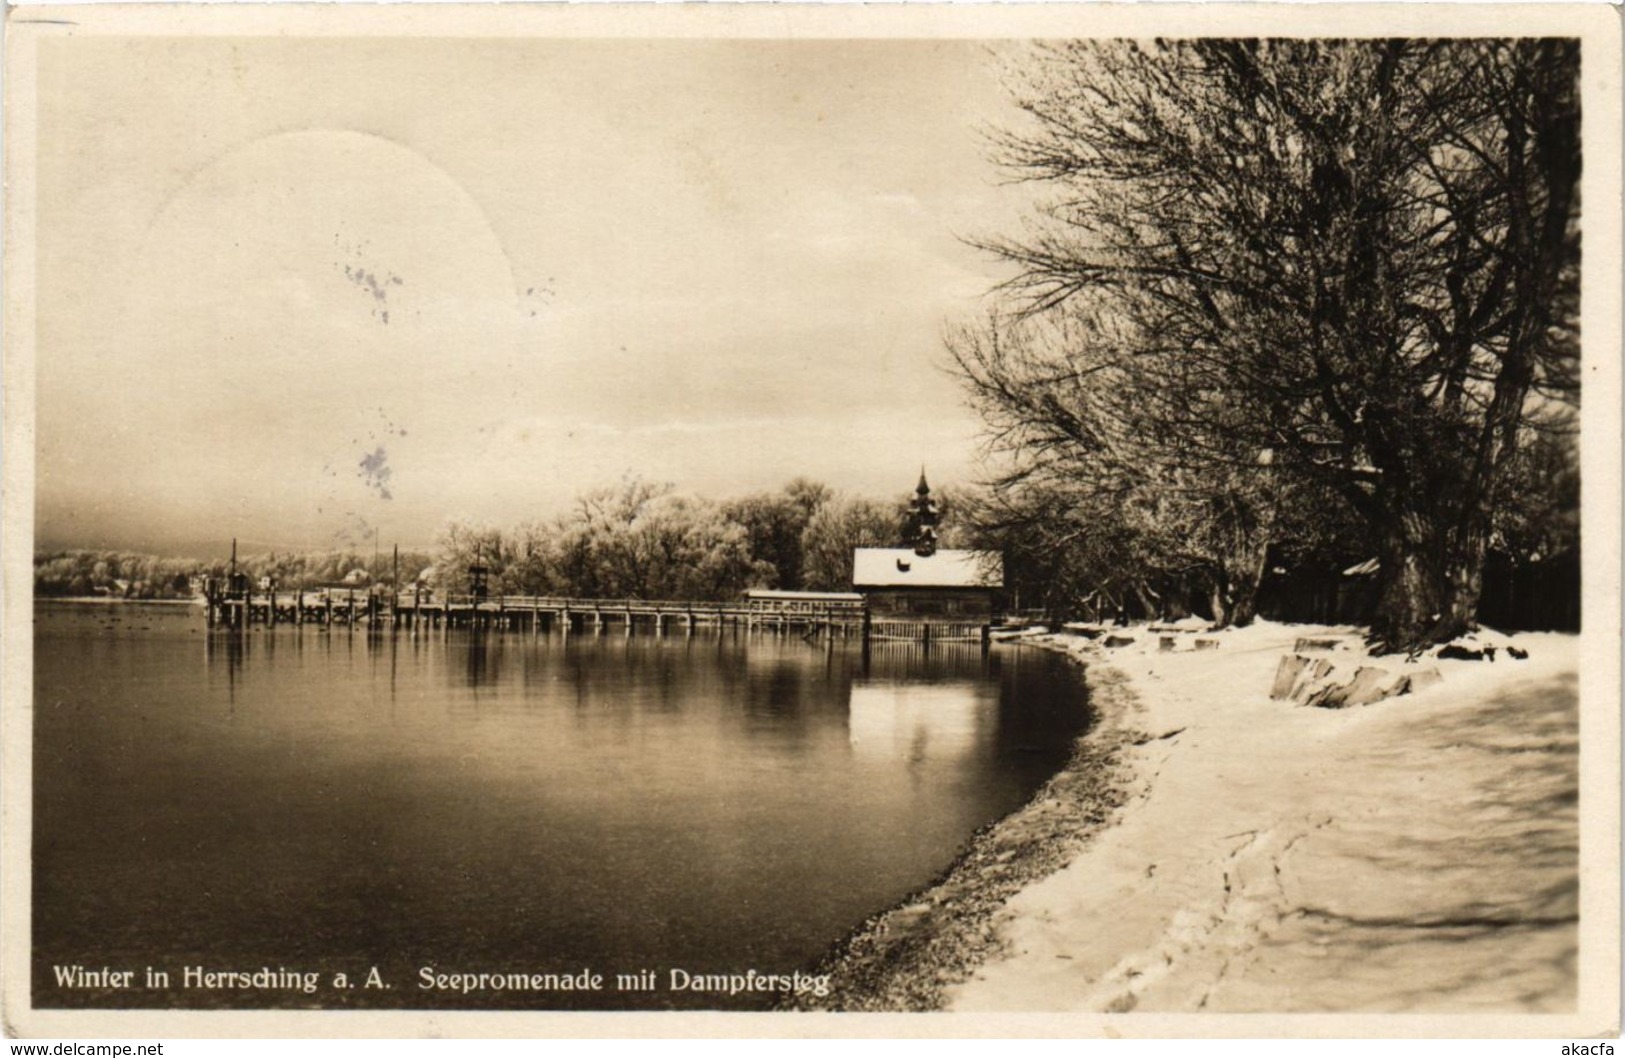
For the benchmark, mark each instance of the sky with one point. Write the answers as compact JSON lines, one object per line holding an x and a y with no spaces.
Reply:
{"x":316,"y":292}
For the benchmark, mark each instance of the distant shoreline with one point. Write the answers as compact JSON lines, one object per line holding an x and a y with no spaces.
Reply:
{"x":102,"y":600}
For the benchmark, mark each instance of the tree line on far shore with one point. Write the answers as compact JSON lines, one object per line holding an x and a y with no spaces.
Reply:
{"x":646,"y":540}
{"x":637,"y":539}
{"x":1063,"y":559}
{"x":83,"y":573}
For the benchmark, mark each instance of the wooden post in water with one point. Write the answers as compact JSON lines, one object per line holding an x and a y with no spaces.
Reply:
{"x":231,"y":577}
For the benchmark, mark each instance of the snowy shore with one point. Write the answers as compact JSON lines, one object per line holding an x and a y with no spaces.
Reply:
{"x":1214,"y":849}
{"x":1418,"y":854}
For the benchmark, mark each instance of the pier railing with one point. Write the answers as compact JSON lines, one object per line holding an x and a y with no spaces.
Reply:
{"x":352,"y":608}
{"x":347,"y":606}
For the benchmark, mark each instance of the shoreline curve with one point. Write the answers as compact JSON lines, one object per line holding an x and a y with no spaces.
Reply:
{"x":904,"y":958}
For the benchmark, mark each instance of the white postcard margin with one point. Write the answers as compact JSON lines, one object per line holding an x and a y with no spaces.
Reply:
{"x":1598,"y":1009}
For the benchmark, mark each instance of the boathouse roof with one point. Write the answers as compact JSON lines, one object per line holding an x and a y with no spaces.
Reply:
{"x":902,"y":567}
{"x":803,"y":596}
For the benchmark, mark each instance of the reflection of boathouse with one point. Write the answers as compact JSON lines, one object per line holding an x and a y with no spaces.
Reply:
{"x":919,"y":582}
{"x":902,"y":720}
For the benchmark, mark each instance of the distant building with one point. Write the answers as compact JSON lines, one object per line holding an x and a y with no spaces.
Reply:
{"x":919,"y":581}
{"x":952,"y":585}
{"x":356,"y":576}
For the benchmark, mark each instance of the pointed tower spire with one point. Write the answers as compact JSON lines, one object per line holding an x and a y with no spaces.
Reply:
{"x":922,"y":527}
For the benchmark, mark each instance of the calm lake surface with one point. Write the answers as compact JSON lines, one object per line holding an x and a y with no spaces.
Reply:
{"x":313,"y":801}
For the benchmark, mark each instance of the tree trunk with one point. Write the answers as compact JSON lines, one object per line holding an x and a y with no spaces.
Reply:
{"x":1425,"y":596}
{"x":1244,"y":585}
{"x":1464,"y":584}
{"x":1176,"y":599}
{"x":1244,"y":604}
{"x":1148,"y":600}
{"x":1217,"y":600}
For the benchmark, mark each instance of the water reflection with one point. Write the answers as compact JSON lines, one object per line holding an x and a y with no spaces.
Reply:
{"x":900,"y":700}
{"x":886,"y":659}
{"x":711,"y":800}
{"x":226,"y":651}
{"x":481,"y":667}
{"x":897,"y":720}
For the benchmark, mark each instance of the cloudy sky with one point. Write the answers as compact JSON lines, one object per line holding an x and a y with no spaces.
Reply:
{"x":298,"y":290}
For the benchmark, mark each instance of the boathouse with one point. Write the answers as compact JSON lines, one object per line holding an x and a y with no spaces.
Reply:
{"x":921,"y":582}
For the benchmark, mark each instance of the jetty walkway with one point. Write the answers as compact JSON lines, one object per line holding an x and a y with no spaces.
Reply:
{"x":419,"y":610}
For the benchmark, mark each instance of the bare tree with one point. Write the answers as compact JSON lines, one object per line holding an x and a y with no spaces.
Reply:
{"x":775,"y":522}
{"x":841,"y":524}
{"x":1153,"y":499}
{"x":1351,"y":265}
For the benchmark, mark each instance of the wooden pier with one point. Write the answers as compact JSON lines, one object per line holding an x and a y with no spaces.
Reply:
{"x":373,"y":611}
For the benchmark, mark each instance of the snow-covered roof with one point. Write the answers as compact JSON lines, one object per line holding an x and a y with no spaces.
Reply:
{"x":900,"y":567}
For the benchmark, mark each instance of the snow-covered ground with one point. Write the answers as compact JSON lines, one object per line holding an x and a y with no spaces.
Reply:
{"x":1414,"y":855}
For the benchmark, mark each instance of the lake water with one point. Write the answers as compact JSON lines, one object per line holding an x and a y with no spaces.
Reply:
{"x":309,"y":802}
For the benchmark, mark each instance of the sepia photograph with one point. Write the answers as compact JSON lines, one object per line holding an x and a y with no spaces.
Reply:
{"x":754,"y":516}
